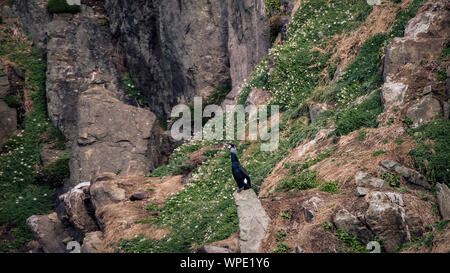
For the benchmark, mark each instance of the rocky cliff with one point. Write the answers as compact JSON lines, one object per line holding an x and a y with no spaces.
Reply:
{"x":363,"y":88}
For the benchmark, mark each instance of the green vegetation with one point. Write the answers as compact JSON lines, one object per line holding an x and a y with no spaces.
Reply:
{"x":362,"y":115}
{"x":218,"y":95}
{"x":432,"y":157}
{"x":20,"y":196}
{"x":327,"y":225}
{"x":204,"y":211}
{"x":378,"y":152}
{"x":320,"y":157}
{"x":56,"y":172}
{"x":445,"y":54}
{"x":13,"y":101}
{"x":350,"y":240}
{"x":272,"y":5}
{"x":286,"y":215}
{"x":304,"y":181}
{"x":362,"y":134}
{"x":61,"y":6}
{"x":392,"y":179}
{"x":330,"y":187}
{"x":133,"y":90}
{"x":280,"y":237}
{"x":201,"y":213}
{"x":177,"y":159}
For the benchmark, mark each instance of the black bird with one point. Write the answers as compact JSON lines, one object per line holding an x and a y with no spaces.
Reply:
{"x":240,"y":175}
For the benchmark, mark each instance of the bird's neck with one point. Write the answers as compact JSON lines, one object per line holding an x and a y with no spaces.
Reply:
{"x":234,"y":158}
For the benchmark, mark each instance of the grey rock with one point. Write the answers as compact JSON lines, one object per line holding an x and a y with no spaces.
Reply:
{"x":49,"y":155}
{"x":309,"y":214}
{"x":76,"y":210}
{"x":443,"y":198}
{"x":386,"y":218}
{"x":8,"y":122}
{"x":344,"y":220}
{"x":213,"y":249}
{"x":374,"y":2}
{"x":410,"y":175}
{"x":19,"y":72}
{"x":393,"y":94}
{"x":315,"y":110}
{"x":364,"y":179}
{"x":424,"y":111}
{"x":313,"y":203}
{"x":77,"y":63}
{"x":7,"y":12}
{"x":298,"y":249}
{"x":74,"y":2}
{"x":248,"y":38}
{"x":34,"y":18}
{"x":129,"y":137}
{"x":4,"y":86}
{"x":427,"y":90}
{"x":49,"y":232}
{"x":105,"y":192}
{"x":446,"y":109}
{"x":406,"y":50}
{"x":138,"y":196}
{"x":93,"y":243}
{"x":253,"y":221}
{"x":174,"y":49}
{"x":361,"y":191}
{"x":447,"y":83}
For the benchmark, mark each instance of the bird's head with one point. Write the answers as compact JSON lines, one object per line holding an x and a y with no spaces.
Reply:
{"x":231,"y":147}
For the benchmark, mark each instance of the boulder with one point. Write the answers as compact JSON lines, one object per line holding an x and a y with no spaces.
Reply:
{"x":129,"y":137}
{"x":364,"y":179}
{"x":34,"y":18}
{"x":69,"y":75}
{"x":93,"y":243}
{"x":4,"y":86}
{"x":386,"y":218}
{"x":105,"y":191}
{"x":393,"y":94}
{"x":138,"y":196}
{"x":410,"y":175}
{"x":176,"y":46}
{"x":361,"y":191}
{"x":443,"y":198}
{"x":49,"y":232}
{"x":8,"y":122}
{"x":248,"y":38}
{"x":309,"y":214}
{"x":253,"y":221}
{"x":406,"y":50}
{"x":374,"y":2}
{"x":78,"y":211}
{"x":344,"y":220}
{"x":424,"y":111}
{"x":313,"y":203}
{"x":7,"y":12}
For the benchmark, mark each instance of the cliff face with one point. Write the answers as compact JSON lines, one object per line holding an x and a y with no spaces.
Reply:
{"x":248,"y":40}
{"x":174,"y":49}
{"x":178,"y":49}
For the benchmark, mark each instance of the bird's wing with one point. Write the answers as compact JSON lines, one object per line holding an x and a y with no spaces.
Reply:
{"x":244,"y":171}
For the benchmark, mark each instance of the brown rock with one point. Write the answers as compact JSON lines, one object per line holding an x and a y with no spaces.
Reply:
{"x":443,"y":197}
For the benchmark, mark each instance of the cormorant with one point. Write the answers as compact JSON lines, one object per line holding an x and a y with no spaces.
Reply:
{"x":240,"y":175}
